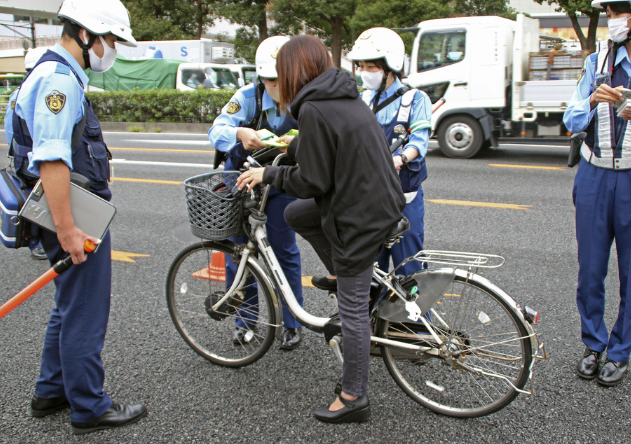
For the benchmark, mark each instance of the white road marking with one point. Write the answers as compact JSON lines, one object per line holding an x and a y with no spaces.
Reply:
{"x":171,"y":142}
{"x":160,"y":164}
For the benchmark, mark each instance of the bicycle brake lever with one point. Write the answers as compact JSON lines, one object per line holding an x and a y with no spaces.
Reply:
{"x":253,"y":163}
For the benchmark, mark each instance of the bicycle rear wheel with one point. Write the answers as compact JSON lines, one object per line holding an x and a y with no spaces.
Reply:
{"x":487,"y":352}
{"x":197,"y":281}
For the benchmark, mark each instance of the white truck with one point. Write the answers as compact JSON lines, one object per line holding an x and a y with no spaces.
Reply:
{"x":480,"y":65}
{"x":191,"y":76}
{"x":192,"y":51}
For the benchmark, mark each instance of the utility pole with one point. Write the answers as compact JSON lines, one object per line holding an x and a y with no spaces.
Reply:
{"x":33,"y":31}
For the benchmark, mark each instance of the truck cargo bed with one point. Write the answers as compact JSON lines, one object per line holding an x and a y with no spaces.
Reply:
{"x":546,"y":93}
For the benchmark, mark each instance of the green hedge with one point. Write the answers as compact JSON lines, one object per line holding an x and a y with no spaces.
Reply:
{"x":159,"y":105}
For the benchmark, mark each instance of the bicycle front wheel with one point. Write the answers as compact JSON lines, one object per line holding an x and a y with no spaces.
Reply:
{"x":486,"y":353}
{"x":242,"y":328}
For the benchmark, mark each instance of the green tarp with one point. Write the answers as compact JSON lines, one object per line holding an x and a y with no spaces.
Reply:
{"x":127,"y":75}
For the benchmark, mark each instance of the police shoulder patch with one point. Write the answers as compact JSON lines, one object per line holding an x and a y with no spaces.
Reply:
{"x":233,"y":107}
{"x":55,"y":101}
{"x":13,"y":105}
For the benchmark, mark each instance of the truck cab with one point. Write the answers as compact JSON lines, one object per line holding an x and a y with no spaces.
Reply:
{"x":191,"y":76}
{"x":480,"y":66}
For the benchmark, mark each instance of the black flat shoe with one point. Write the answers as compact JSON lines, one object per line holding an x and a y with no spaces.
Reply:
{"x":324,"y":283}
{"x":587,"y":367}
{"x":353,"y":411}
{"x":292,"y":337}
{"x":41,"y":407}
{"x":117,"y":415}
{"x":612,"y":373}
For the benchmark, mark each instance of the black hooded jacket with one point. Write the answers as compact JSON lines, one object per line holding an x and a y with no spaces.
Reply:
{"x":345,"y":164}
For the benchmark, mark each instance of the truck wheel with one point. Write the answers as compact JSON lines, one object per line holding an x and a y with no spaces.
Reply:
{"x":460,"y":137}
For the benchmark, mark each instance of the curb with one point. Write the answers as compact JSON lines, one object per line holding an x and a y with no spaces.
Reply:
{"x":157,"y":127}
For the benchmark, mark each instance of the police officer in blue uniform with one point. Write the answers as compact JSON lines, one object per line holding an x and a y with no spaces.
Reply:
{"x":31,"y":57}
{"x":234,"y":137}
{"x":379,"y":53}
{"x":602,"y":190}
{"x":49,"y":109}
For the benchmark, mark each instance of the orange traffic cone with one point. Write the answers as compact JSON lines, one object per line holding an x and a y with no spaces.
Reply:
{"x":216,"y":270}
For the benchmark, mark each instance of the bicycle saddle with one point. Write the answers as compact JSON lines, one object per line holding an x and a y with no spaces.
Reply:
{"x":401,"y":227}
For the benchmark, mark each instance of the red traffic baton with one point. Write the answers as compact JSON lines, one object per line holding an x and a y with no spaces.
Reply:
{"x":44,"y":279}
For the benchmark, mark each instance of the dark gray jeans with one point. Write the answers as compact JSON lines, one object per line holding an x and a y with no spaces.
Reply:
{"x":353,"y":297}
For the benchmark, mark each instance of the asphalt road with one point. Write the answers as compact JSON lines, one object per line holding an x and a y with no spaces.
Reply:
{"x":527,"y":217}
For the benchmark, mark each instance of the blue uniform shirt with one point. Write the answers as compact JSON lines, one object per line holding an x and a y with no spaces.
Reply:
{"x":8,"y":118}
{"x":237,"y":113}
{"x":38,"y":103}
{"x":421,"y":110}
{"x":578,"y":114}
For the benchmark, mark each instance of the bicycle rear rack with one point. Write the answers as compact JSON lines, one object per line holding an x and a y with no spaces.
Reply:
{"x":457,"y":259}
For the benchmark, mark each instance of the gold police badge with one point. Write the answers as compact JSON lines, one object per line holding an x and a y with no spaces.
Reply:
{"x":399,"y":129}
{"x":233,"y":107}
{"x":274,"y":52}
{"x":13,"y":105}
{"x":55,"y":101}
{"x":365,"y":35}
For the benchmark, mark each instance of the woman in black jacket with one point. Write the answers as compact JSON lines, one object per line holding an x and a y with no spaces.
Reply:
{"x":345,"y":171}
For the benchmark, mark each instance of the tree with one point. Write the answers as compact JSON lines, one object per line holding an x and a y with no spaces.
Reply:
{"x":249,"y":13}
{"x":151,"y":21}
{"x":170,"y":19}
{"x":573,"y":8}
{"x":485,"y":7}
{"x":397,"y":14}
{"x":324,"y":17}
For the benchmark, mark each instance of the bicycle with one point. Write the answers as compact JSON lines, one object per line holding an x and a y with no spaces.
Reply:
{"x":452,"y":340}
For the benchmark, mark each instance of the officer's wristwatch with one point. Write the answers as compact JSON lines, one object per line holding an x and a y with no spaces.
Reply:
{"x":404,"y":158}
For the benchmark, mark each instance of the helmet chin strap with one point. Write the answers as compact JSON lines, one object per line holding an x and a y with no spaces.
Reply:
{"x":84,"y":46}
{"x":381,"y":89}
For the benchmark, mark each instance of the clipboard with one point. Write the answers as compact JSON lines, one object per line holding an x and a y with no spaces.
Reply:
{"x":91,"y":214}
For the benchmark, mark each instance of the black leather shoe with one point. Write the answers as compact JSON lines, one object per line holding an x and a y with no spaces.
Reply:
{"x":324,"y":283}
{"x":292,"y":337}
{"x":612,"y":373}
{"x":39,"y":254}
{"x":587,"y":367}
{"x":353,"y":411}
{"x":242,"y":336}
{"x":117,"y":415}
{"x":41,"y":407}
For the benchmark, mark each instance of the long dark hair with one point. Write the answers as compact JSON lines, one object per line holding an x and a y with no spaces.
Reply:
{"x":299,"y":61}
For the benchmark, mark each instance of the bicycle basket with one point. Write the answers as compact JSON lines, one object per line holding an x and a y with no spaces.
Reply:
{"x":214,"y":211}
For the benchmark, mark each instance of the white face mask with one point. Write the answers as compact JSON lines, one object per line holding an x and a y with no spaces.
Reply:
{"x":102,"y":64}
{"x":618,"y":29}
{"x":372,"y":80}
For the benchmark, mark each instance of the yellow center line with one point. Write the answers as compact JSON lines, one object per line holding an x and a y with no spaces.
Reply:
{"x":526,"y":167}
{"x":480,"y":204}
{"x":163,"y":150}
{"x":163,"y":182}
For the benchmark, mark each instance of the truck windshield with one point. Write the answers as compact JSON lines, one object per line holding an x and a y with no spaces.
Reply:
{"x":441,"y":48}
{"x":223,"y":78}
{"x":249,"y":74}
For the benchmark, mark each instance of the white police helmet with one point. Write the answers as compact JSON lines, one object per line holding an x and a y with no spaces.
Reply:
{"x":100,"y":17}
{"x":32,"y":56}
{"x":379,"y":43}
{"x":598,"y":3}
{"x":266,"y":54}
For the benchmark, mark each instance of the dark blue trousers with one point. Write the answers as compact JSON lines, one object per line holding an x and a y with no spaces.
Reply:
{"x":71,"y":361}
{"x":412,"y":241}
{"x":283,"y":241}
{"x":603,"y":214}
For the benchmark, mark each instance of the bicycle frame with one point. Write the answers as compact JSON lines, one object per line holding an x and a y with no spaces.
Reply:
{"x":272,"y":271}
